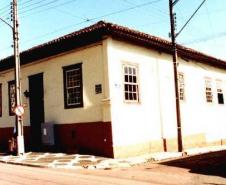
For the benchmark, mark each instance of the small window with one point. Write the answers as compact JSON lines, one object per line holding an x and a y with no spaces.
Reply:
{"x":73,"y":93}
{"x":131,"y":89}
{"x":98,"y":88}
{"x":181,"y":86}
{"x":0,"y":100}
{"x":12,"y":97}
{"x":208,"y":90}
{"x":220,"y":95}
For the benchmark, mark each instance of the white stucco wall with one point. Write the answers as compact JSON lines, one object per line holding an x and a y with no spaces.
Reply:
{"x":92,"y":69}
{"x":141,"y":122}
{"x":198,"y":116}
{"x":155,"y":116}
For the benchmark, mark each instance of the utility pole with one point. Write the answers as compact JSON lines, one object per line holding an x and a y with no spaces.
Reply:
{"x":19,"y":119}
{"x":174,"y":51}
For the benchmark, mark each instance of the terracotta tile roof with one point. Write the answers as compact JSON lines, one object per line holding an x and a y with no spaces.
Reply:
{"x":95,"y":33}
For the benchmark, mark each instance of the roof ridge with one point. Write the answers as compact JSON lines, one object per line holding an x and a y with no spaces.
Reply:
{"x":67,"y":36}
{"x":95,"y":32}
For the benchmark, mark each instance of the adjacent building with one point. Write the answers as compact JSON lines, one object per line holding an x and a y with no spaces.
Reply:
{"x":109,"y":90}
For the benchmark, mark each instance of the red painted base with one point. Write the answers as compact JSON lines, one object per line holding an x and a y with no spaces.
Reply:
{"x":89,"y":138}
{"x":7,"y":133}
{"x":83,"y":138}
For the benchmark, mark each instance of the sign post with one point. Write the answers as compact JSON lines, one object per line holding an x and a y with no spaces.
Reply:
{"x":19,"y":108}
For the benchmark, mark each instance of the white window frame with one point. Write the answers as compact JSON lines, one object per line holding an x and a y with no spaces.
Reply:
{"x":219,"y":88}
{"x":131,"y":83}
{"x":209,"y":89}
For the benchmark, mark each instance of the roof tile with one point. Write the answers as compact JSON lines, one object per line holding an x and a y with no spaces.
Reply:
{"x":95,"y":33}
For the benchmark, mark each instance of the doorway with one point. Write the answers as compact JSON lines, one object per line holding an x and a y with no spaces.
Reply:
{"x":36,"y":100}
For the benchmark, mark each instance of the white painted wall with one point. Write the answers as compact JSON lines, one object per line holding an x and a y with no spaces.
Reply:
{"x":155,"y":116}
{"x":198,"y":116}
{"x":140,"y":122}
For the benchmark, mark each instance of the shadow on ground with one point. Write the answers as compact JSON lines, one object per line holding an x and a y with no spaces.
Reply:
{"x":213,"y":163}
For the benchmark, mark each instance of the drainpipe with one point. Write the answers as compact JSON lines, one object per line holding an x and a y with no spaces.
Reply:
{"x":160,"y":107}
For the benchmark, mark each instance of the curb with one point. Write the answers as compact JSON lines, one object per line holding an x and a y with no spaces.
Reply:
{"x":107,"y":164}
{"x":24,"y":164}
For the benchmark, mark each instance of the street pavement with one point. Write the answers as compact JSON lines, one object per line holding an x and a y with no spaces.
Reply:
{"x":200,"y":169}
{"x":77,"y":161}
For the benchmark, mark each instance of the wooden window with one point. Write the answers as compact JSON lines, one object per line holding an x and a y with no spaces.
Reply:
{"x":208,"y":89}
{"x":0,"y":100}
{"x":220,"y":94}
{"x":12,"y":97}
{"x":131,"y":87}
{"x":181,"y":86}
{"x":73,"y":88}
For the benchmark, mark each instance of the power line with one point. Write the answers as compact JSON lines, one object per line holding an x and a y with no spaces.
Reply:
{"x":209,"y":21}
{"x":158,"y":10}
{"x":29,"y":5}
{"x":5,"y":7}
{"x":52,"y":7}
{"x":26,"y":2}
{"x":190,"y":18}
{"x":182,"y":17}
{"x":92,"y":19}
{"x":46,"y":4}
{"x":5,"y":16}
{"x":5,"y":12}
{"x":5,"y":48}
{"x":175,"y":2}
{"x":207,"y":38}
{"x":127,"y":9}
{"x":95,"y":18}
{"x":71,"y":14}
{"x":62,"y":4}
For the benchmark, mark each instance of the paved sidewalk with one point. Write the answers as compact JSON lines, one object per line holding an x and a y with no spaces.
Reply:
{"x":76,"y":161}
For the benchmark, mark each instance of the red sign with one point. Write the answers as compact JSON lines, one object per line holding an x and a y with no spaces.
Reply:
{"x":19,"y":110}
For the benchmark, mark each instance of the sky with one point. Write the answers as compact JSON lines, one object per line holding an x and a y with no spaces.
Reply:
{"x":44,"y":20}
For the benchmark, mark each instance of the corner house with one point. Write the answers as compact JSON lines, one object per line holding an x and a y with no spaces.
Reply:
{"x":109,"y":90}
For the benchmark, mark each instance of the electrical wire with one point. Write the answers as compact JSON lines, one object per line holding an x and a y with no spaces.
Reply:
{"x":94,"y":18}
{"x":22,"y":7}
{"x":40,"y":6}
{"x":71,"y":14}
{"x":190,"y":18}
{"x":26,"y":2}
{"x":5,"y":7}
{"x":209,"y":21}
{"x":48,"y":8}
{"x":175,"y":2}
{"x":191,"y":32}
{"x":5,"y":13}
{"x":158,"y":10}
{"x":207,"y":38}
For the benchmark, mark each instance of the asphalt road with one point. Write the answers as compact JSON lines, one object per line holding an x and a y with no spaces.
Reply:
{"x":206,"y":169}
{"x":21,"y":175}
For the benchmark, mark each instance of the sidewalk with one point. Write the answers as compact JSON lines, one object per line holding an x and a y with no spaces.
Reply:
{"x":76,"y":161}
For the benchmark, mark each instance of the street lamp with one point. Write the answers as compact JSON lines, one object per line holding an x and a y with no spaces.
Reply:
{"x":18,"y":106}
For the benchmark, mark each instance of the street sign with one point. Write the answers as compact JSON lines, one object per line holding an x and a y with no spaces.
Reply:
{"x":19,"y":110}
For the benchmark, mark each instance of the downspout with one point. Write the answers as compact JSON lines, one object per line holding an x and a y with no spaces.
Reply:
{"x":160,"y":107}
